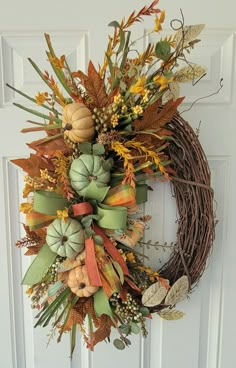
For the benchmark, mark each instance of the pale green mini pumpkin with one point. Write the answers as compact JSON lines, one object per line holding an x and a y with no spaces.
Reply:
{"x":65,"y":238}
{"x":88,"y":168}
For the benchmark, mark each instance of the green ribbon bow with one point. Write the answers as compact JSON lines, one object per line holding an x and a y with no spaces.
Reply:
{"x":111,"y":217}
{"x":49,"y":202}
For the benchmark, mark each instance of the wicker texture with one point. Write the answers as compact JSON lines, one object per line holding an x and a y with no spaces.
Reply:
{"x":194,"y":199}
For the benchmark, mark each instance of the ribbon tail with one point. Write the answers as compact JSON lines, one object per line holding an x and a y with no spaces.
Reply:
{"x":106,"y":286}
{"x":91,"y":263}
{"x":112,"y":250}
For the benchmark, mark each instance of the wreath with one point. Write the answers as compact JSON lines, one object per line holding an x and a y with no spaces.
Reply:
{"x":106,"y":133}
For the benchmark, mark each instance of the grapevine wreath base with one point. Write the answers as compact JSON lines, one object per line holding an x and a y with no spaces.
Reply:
{"x":194,"y":200}
{"x":117,"y":127}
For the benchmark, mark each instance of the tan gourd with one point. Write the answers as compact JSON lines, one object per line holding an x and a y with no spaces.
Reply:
{"x":78,"y":282}
{"x":80,"y":259}
{"x":77,"y":122}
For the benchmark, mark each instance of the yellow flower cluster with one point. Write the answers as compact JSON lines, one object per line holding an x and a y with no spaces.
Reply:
{"x":118,"y":100}
{"x":153,"y":275}
{"x":124,"y":109}
{"x":57,"y":62}
{"x":115,"y":120}
{"x":162,"y":81}
{"x":45,"y":181}
{"x":26,"y":207}
{"x":41,"y":97}
{"x":130,"y":257}
{"x":145,"y":96}
{"x":63,"y":214}
{"x":29,"y":291}
{"x":139,"y":86}
{"x":44,"y":175}
{"x":138,"y":110}
{"x":33,"y":184}
{"x":159,"y":21}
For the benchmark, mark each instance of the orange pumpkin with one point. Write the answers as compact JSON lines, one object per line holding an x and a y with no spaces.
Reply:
{"x":77,"y":122}
{"x":78,"y":282}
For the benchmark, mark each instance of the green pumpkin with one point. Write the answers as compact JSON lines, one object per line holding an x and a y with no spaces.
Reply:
{"x":65,"y":238}
{"x":88,"y":168}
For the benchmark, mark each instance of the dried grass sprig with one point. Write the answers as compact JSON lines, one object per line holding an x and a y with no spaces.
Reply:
{"x":123,"y":26}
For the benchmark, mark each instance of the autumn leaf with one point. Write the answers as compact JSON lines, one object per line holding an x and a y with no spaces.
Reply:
{"x":149,"y":113}
{"x":32,"y":251}
{"x":34,"y":164}
{"x":154,"y":294}
{"x":94,"y":86}
{"x":74,"y":318}
{"x":171,"y":314}
{"x":178,"y":291}
{"x":155,"y":118}
{"x":167,"y":113}
{"x":79,"y":312}
{"x":187,"y":34}
{"x":33,"y":238}
{"x":49,"y":147}
{"x":111,"y":95}
{"x":85,"y":306}
{"x":104,"y":330}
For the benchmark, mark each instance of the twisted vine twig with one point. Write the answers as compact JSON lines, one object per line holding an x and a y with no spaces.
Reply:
{"x":194,"y":199}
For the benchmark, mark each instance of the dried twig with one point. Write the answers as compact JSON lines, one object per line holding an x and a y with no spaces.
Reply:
{"x":194,"y":199}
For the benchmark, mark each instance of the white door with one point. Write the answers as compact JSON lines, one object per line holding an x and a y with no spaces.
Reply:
{"x":206,"y":337}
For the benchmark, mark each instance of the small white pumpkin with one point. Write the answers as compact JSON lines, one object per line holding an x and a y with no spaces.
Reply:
{"x":77,"y":122}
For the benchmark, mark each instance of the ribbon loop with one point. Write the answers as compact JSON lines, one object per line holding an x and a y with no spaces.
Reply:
{"x":39,"y":266}
{"x":112,"y":217}
{"x":141,"y":193}
{"x":36,"y":220}
{"x":121,"y":195}
{"x":132,"y":235}
{"x":49,"y":202}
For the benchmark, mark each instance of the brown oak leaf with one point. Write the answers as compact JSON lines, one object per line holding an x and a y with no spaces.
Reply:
{"x":48,"y":148}
{"x":73,"y":319}
{"x":104,"y":330}
{"x":34,"y":164}
{"x":79,"y":312}
{"x":94,"y":86}
{"x":156,"y":116}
